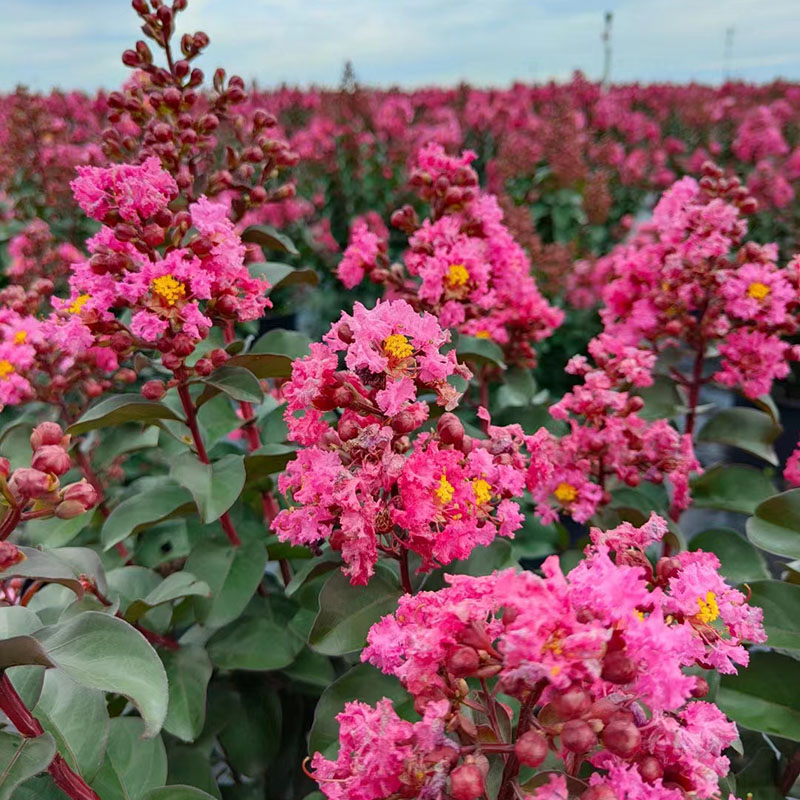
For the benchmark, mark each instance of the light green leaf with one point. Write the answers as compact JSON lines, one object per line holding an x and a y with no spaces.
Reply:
{"x":746,"y":428}
{"x":173,"y":587}
{"x":741,"y":562}
{"x":188,"y":672}
{"x":254,"y":643}
{"x":292,"y":344}
{"x":781,"y":604}
{"x":733,"y":487}
{"x":267,"y":237}
{"x":236,"y":381}
{"x":140,"y":763}
{"x":775,"y":525}
{"x":22,"y":758}
{"x":215,"y":487}
{"x":479,"y":351}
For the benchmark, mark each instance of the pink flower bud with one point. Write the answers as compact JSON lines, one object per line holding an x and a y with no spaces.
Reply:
{"x":28,"y":484}
{"x":531,"y":748}
{"x":154,"y":390}
{"x":577,"y":736}
{"x":618,"y":668}
{"x":10,"y":554}
{"x":51,"y":458}
{"x":622,"y":738}
{"x":450,"y":429}
{"x":68,"y":509}
{"x":83,"y":492}
{"x":599,"y":792}
{"x":46,"y":433}
{"x":650,"y":768}
{"x":5,"y":467}
{"x":571,"y":703}
{"x":466,"y":782}
{"x":463,"y":661}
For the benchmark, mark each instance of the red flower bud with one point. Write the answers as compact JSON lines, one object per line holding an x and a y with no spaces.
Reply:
{"x":450,"y":429}
{"x":650,"y":768}
{"x":204,"y":367}
{"x":531,"y":748}
{"x":618,"y":668}
{"x":577,"y":736}
{"x":466,"y":782}
{"x":571,"y":703}
{"x":154,"y":390}
{"x":622,"y":738}
{"x":5,"y":467}
{"x":51,"y":458}
{"x":599,"y":792}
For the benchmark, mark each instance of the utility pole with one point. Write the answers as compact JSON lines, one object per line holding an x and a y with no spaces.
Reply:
{"x":728,"y":53}
{"x":606,"y":37}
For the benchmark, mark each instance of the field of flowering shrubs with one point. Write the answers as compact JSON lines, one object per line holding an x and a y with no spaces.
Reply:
{"x":369,"y":445}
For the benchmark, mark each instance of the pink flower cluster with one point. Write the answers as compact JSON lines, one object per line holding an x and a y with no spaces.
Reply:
{"x":174,"y":296}
{"x":686,"y":278}
{"x":359,"y":482}
{"x":462,"y":263}
{"x":596,"y":658}
{"x":607,"y":439}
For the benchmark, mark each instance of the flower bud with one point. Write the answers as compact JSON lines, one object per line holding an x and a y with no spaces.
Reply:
{"x":650,"y":768}
{"x":348,"y":429}
{"x":68,"y":509}
{"x":667,"y":568}
{"x":450,"y":429}
{"x":700,"y":688}
{"x":172,"y":361}
{"x":5,"y":467}
{"x":466,"y":782}
{"x":577,"y":736}
{"x":30,"y":483}
{"x":463,"y":661}
{"x":51,"y":458}
{"x":81,"y":492}
{"x":154,"y":390}
{"x":599,"y":792}
{"x":622,"y":738}
{"x":618,"y":668}
{"x":531,"y":748}
{"x":571,"y":703}
{"x":183,"y":345}
{"x":46,"y":433}
{"x":10,"y":554}
{"x":204,"y":367}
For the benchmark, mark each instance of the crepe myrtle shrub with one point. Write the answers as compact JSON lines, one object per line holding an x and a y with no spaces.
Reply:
{"x":383,"y":561}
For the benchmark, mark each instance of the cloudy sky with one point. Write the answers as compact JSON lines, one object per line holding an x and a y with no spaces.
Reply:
{"x":77,"y":43}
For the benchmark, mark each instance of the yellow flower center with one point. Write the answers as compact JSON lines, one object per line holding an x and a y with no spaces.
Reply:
{"x":758,"y":290}
{"x":482,"y":491}
{"x":445,"y":490}
{"x":168,"y":289}
{"x":565,"y":492}
{"x":457,"y":276}
{"x":20,"y":337}
{"x":709,"y":610}
{"x":482,"y":335}
{"x":397,"y":346}
{"x":78,"y":303}
{"x":6,"y":368}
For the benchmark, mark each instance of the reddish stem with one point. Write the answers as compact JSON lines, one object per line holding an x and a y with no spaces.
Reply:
{"x":9,"y":522}
{"x":511,"y":769}
{"x":63,"y":776}
{"x":405,"y":576}
{"x":191,"y":422}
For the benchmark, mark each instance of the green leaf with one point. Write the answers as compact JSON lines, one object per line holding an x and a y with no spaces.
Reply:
{"x":781,"y":604}
{"x":173,"y":587}
{"x":126,"y":439}
{"x":268,"y":459}
{"x":347,"y":612}
{"x":145,"y":508}
{"x":732,"y":487}
{"x":140,"y":763}
{"x":232,"y":573}
{"x":22,"y":758}
{"x":55,"y":532}
{"x":361,"y":682}
{"x":121,"y":408}
{"x":518,"y":388}
{"x":215,"y":487}
{"x":190,"y":766}
{"x":77,"y":719}
{"x":292,"y":344}
{"x":741,"y":562}
{"x":661,"y":399}
{"x":267,"y":237}
{"x":103,"y":652}
{"x":254,"y":643}
{"x":282,"y":275}
{"x":775,"y":524}
{"x":479,"y":351}
{"x":263,"y":365}
{"x":748,"y":429}
{"x":43,"y":566}
{"x":16,"y":621}
{"x":764,"y":697}
{"x":188,"y":672}
{"x":177,"y":793}
{"x":236,"y":381}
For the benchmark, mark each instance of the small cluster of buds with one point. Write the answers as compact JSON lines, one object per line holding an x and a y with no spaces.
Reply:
{"x":35,"y":492}
{"x":174,"y":360}
{"x":731,"y":189}
{"x":200,"y":139}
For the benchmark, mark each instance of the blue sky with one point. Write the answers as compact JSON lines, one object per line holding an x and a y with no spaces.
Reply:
{"x":77,"y":43}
